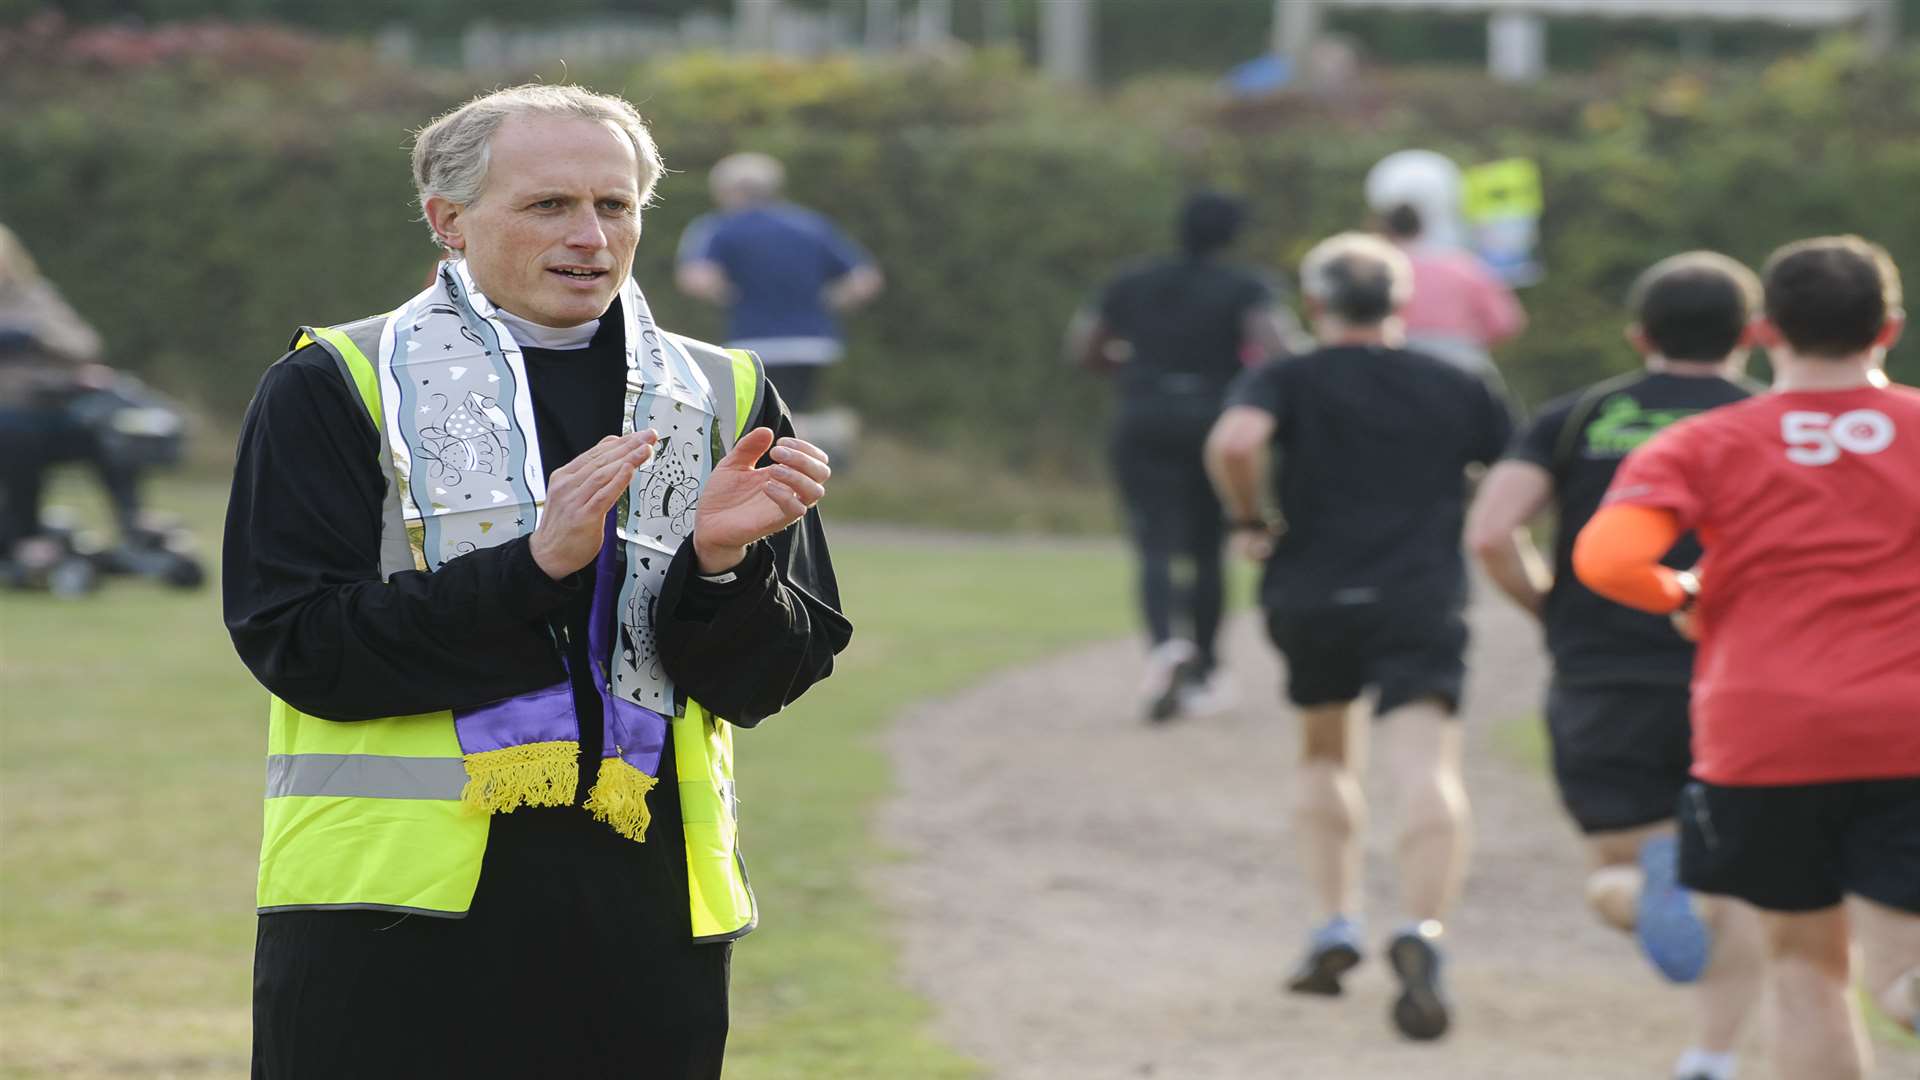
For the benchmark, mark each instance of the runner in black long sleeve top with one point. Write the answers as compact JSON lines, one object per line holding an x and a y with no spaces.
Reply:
{"x":314,"y":622}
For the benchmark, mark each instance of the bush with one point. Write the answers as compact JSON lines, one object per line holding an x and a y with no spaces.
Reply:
{"x":198,"y":213}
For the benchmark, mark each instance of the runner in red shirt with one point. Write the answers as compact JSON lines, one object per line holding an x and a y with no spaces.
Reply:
{"x":1806,"y":691}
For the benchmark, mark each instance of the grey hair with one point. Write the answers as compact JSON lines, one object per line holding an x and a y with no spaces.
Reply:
{"x":1357,"y":277}
{"x":752,"y":174}
{"x":450,"y":155}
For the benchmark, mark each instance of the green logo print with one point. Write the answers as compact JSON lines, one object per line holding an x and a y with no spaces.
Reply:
{"x":1622,"y":425}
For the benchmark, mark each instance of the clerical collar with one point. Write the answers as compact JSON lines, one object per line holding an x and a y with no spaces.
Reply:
{"x":533,"y":335}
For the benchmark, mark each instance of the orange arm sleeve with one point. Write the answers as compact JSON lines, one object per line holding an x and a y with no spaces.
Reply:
{"x":1618,"y":556}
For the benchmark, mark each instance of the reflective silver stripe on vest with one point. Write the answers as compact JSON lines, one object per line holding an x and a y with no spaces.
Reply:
{"x":365,"y":776}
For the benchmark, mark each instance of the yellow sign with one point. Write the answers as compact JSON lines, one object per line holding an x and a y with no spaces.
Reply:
{"x":1502,"y":189}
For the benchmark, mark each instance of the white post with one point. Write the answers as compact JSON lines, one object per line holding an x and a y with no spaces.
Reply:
{"x":883,"y":25}
{"x":1066,"y":41}
{"x":932,"y":23}
{"x":1516,"y":46}
{"x":1881,"y":27}
{"x":753,"y":24}
{"x":1296,"y":23}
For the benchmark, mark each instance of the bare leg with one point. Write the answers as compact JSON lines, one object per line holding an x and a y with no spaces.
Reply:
{"x":1435,"y":826}
{"x":1817,"y":1033}
{"x":1330,"y":810}
{"x":1613,"y":888}
{"x":1730,"y":988}
{"x":1890,"y":957}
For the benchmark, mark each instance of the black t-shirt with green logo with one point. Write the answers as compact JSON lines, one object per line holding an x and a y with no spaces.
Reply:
{"x":1581,"y":439}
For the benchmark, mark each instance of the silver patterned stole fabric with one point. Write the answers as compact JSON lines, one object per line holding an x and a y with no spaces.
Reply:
{"x":459,"y":423}
{"x":666,"y":391}
{"x":467,"y":455}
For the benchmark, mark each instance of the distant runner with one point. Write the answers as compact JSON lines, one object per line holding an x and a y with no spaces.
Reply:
{"x":784,"y":273}
{"x":1365,"y":589}
{"x":1175,"y":332}
{"x":1617,"y":709}
{"x":1460,"y":309}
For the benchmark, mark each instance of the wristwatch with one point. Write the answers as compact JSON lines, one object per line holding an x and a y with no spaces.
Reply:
{"x":1689,"y":583}
{"x":1250,"y":524}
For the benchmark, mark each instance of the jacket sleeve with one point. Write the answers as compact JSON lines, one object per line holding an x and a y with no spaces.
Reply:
{"x":748,"y":648}
{"x":302,"y":592}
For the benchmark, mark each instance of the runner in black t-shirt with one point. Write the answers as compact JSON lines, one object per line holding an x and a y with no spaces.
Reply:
{"x":1617,"y":709}
{"x":1186,"y":326}
{"x":1365,"y":588}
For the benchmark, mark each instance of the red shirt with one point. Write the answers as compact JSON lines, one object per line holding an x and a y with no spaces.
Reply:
{"x":1808,"y":505}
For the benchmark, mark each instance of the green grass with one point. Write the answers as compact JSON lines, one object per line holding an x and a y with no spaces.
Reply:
{"x":130,"y":772}
{"x":892,"y":480}
{"x":1522,"y":740}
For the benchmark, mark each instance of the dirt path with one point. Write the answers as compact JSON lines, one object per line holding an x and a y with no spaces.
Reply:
{"x":1090,"y":898}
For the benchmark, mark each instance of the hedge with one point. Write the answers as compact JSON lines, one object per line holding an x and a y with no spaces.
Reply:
{"x":198,"y":209}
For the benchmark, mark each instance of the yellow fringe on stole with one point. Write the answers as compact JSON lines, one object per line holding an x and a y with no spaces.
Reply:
{"x":535,"y":774}
{"x":619,"y":798}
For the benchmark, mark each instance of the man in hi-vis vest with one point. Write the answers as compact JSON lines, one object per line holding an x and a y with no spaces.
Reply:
{"x":514,"y":562}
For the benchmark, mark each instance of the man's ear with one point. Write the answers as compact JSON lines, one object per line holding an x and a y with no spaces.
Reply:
{"x":1765,"y":334}
{"x":1891,"y":329}
{"x":1750,"y":334}
{"x":1636,"y":336}
{"x":444,"y":215}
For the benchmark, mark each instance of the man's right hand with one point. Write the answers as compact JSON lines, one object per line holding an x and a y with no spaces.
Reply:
{"x":579,"y":494}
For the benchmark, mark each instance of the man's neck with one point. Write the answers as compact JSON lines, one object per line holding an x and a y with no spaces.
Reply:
{"x":1690,"y":369}
{"x":1794,"y":372}
{"x":1332,"y":332}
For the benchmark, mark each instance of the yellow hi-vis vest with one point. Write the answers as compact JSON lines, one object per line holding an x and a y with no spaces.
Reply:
{"x":367,"y":814}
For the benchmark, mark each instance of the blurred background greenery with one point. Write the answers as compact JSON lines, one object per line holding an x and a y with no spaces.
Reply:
{"x":198,"y":194}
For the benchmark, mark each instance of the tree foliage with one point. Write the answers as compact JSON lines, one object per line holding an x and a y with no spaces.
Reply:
{"x":199,"y":209}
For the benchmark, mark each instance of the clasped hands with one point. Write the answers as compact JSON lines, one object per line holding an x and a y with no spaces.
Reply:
{"x":743,"y":501}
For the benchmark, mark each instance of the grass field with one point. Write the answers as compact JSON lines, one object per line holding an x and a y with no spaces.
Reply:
{"x":130,"y":772}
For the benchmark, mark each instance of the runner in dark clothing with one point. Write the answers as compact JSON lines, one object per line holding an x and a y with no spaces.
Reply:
{"x":1617,"y":709}
{"x":1175,"y":332}
{"x":1364,"y":588}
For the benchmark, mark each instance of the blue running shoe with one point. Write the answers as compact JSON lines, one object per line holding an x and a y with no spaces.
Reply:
{"x":1668,"y":928}
{"x":1421,"y":1012}
{"x":1332,"y":951}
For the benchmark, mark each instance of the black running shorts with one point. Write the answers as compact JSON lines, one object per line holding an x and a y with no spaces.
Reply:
{"x":1620,"y":752}
{"x":1804,"y":847}
{"x":1405,"y":652}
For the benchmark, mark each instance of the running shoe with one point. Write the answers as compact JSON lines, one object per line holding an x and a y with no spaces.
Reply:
{"x":1207,"y":695}
{"x":1667,"y":925}
{"x":1167,"y":666}
{"x":1698,"y":1064}
{"x":1421,"y":1011}
{"x":1332,"y":951}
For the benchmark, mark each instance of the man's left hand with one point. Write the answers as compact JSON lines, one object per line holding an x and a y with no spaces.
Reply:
{"x":744,"y":502}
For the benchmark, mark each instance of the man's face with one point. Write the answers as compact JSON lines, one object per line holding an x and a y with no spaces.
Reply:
{"x":552,"y":234}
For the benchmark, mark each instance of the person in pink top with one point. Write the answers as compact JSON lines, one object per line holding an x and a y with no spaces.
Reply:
{"x":1459,"y":309}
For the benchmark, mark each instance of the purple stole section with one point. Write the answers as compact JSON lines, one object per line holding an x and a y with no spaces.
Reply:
{"x":634,"y":734}
{"x":524,"y":750}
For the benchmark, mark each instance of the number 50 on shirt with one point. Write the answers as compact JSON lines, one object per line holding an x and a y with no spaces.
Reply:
{"x":1817,"y":438}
